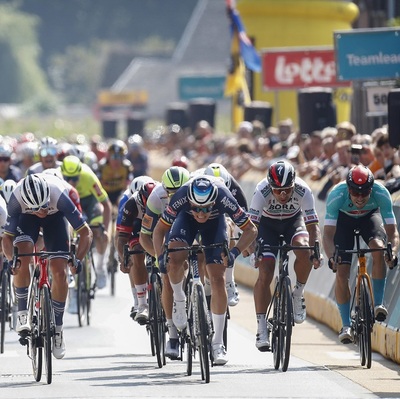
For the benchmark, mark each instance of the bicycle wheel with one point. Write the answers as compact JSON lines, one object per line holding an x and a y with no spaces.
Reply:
{"x":3,"y":307}
{"x":82,"y":294}
{"x":202,"y":332}
{"x":157,"y":319}
{"x":366,"y":323}
{"x":112,"y":265}
{"x":286,"y":322}
{"x":225,"y":333}
{"x":187,"y":336}
{"x":46,"y":330}
{"x":35,"y":342}
{"x":275,"y":328}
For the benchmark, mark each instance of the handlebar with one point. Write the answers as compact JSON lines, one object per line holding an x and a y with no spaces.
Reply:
{"x":287,"y":247}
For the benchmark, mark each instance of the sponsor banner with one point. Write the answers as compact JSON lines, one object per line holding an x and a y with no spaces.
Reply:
{"x":298,"y":67}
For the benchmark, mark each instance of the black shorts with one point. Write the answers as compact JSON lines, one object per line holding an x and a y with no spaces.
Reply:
{"x":370,"y":226}
{"x":269,"y":230}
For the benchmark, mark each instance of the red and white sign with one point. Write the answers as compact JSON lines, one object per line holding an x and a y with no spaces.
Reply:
{"x":298,"y":67}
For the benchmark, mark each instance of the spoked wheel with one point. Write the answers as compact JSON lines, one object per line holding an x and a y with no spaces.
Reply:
{"x":112,"y":266}
{"x":35,"y":340}
{"x":366,"y":324}
{"x":286,"y":322}
{"x":4,"y":307}
{"x":46,"y":330}
{"x":275,"y":332}
{"x":225,"y":333}
{"x":202,"y":333}
{"x":82,"y":295}
{"x":157,"y":319}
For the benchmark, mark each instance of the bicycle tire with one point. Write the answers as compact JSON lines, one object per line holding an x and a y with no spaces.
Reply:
{"x":3,"y":308}
{"x":156,"y":319}
{"x":202,"y":333}
{"x":90,"y":286}
{"x":286,"y":322}
{"x":188,"y":337}
{"x":46,"y":330}
{"x":275,"y":331}
{"x":81,"y":295}
{"x":225,"y":332}
{"x":366,"y":321}
{"x":35,"y":345}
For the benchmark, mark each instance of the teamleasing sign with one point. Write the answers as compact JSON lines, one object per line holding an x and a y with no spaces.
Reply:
{"x":367,"y":54}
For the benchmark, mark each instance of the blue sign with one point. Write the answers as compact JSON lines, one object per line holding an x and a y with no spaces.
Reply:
{"x":201,"y":86}
{"x":367,"y":54}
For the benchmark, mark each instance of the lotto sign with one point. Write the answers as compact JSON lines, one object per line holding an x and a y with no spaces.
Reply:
{"x":297,"y":68}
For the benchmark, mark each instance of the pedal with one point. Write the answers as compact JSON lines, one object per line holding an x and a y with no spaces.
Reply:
{"x":23,"y":340}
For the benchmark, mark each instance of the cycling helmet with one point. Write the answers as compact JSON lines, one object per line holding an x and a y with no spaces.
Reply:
{"x":8,"y":188}
{"x":360,"y":179}
{"x":48,"y":142}
{"x":281,"y":174}
{"x":90,"y":158}
{"x":35,"y":191}
{"x":117,"y":147}
{"x":202,"y":192}
{"x":54,"y":172}
{"x":144,"y":192}
{"x":180,"y":161}
{"x":71,"y":166}
{"x":48,"y":146}
{"x":174,"y":177}
{"x":135,"y":141}
{"x":5,"y":150}
{"x":139,"y":182}
{"x":218,"y":170}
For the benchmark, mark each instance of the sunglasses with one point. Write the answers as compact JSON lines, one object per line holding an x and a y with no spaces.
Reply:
{"x":74,"y":179}
{"x":44,"y":152}
{"x":198,"y":209}
{"x":362,"y":194}
{"x":279,"y":191}
{"x":37,"y":209}
{"x":5,"y":159}
{"x":116,"y":157}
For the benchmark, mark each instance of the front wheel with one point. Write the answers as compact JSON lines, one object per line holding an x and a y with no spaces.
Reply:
{"x":366,"y":323}
{"x":35,"y":339}
{"x":275,"y":329}
{"x":4,"y":307}
{"x":46,"y":330}
{"x":285,"y":322}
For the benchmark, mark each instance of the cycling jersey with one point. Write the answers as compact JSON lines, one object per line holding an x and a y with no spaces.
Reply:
{"x":339,"y":201}
{"x":114,"y":180}
{"x":59,"y":202}
{"x":122,"y":201}
{"x":39,"y":168}
{"x":132,"y":216}
{"x":264,"y":204}
{"x":89,"y":184}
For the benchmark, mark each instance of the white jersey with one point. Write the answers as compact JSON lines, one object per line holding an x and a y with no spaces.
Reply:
{"x":158,"y":199}
{"x":264,"y":204}
{"x":38,"y":168}
{"x":3,"y":215}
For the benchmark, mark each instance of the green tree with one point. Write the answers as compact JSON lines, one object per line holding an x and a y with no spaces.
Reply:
{"x":21,"y":77}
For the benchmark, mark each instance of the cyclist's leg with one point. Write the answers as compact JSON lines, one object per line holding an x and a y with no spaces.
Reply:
{"x":344,"y":239}
{"x":28,"y":231}
{"x":376,"y":234}
{"x":231,"y":287}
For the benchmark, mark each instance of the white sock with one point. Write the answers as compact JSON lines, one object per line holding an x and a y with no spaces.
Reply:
{"x":179,"y":294}
{"x":261,"y":322}
{"x":135,"y":297}
{"x":172,"y":331}
{"x":229,"y":275}
{"x":298,"y":290}
{"x":141,"y":294}
{"x":219,"y":325}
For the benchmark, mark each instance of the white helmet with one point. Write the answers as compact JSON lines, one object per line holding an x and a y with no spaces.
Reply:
{"x":138,"y":182}
{"x":8,"y":188}
{"x":35,"y":191}
{"x":54,"y":172}
{"x":218,"y":170}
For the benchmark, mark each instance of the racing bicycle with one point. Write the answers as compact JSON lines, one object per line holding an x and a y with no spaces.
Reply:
{"x":7,"y":301}
{"x":362,"y":302}
{"x":280,"y":318}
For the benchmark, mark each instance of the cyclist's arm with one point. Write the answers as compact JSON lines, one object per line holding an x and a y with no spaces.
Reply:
{"x":392,"y":237}
{"x":85,"y":241}
{"x":107,"y":212}
{"x":328,"y":242}
{"x":160,"y":231}
{"x":248,"y":237}
{"x":146,"y":242}
{"x":122,"y":239}
{"x":7,"y":245}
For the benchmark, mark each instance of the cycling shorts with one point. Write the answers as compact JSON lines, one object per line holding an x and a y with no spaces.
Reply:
{"x":92,"y":209}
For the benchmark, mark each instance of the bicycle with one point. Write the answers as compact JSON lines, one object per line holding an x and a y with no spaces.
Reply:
{"x":156,"y":325}
{"x":40,"y":312}
{"x":7,"y":301}
{"x":282,"y":321}
{"x":362,"y":302}
{"x":197,"y":337}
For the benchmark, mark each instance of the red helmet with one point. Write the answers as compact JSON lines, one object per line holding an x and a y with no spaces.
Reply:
{"x":145,"y":191}
{"x":360,"y":179}
{"x":180,"y":161}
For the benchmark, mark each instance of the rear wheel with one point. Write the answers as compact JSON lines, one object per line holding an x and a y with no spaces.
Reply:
{"x":366,"y":321}
{"x":157,"y":319}
{"x":46,"y":330}
{"x":202,"y":333}
{"x":286,"y":322}
{"x":82,"y":295}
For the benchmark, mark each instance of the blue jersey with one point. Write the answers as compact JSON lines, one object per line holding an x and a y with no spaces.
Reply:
{"x":125,"y":196}
{"x":339,"y":201}
{"x":224,"y":204}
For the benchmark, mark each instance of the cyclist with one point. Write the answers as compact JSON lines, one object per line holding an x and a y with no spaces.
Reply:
{"x":115,"y":171}
{"x":137,"y":155}
{"x":364,"y":204}
{"x":283,"y":204}
{"x":42,"y":201}
{"x":218,"y":170}
{"x":95,"y":205}
{"x":135,"y":185}
{"x":172,"y":179}
{"x":199,"y":207}
{"x":7,"y":169}
{"x":128,"y":230}
{"x":48,"y":156}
